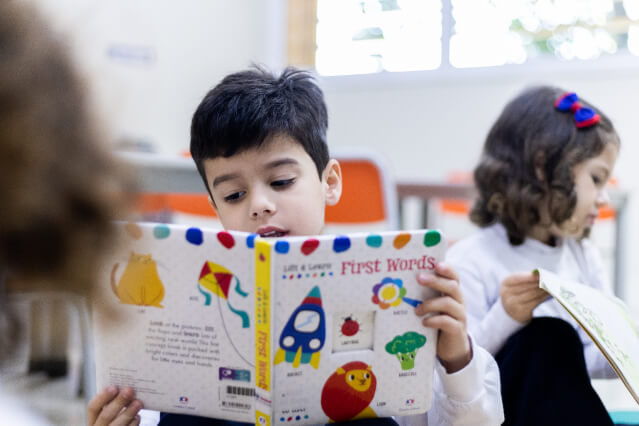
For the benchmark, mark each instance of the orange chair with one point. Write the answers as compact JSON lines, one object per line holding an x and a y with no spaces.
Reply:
{"x":369,"y":195}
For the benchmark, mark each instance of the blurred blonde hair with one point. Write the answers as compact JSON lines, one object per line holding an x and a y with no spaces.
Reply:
{"x":59,"y":188}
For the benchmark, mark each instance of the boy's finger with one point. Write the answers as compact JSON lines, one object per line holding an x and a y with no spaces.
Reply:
{"x":135,"y":421}
{"x":445,"y":323}
{"x":444,"y":270}
{"x":445,"y":306}
{"x":443,"y":285}
{"x":129,"y":415}
{"x":100,"y":400}
{"x":113,"y":408}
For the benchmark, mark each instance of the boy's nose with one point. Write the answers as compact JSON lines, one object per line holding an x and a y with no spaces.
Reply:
{"x":261,"y":205}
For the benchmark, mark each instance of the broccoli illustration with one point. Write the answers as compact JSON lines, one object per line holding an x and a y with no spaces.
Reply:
{"x":405,"y":347}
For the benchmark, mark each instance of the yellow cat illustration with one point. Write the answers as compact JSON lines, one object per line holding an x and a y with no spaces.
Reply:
{"x":140,"y":283}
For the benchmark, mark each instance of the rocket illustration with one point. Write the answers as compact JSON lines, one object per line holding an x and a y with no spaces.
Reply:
{"x":304,"y":333}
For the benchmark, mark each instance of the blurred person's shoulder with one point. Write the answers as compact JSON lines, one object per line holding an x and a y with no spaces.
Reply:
{"x":15,"y":412}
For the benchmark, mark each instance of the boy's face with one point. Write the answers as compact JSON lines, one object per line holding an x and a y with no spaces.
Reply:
{"x":272,"y":190}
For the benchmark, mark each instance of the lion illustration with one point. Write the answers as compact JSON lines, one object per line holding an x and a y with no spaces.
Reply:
{"x":348,"y":392}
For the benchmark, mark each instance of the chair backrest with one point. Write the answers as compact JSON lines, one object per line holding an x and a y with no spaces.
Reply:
{"x":369,"y":195}
{"x":172,"y":191}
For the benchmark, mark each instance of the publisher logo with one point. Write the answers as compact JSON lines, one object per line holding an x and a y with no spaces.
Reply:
{"x":410,"y":402}
{"x":234,"y":374}
{"x":184,"y":399}
{"x":261,"y":420}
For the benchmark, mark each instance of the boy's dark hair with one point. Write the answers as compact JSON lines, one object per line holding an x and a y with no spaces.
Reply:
{"x":529,"y":131}
{"x":248,"y":107}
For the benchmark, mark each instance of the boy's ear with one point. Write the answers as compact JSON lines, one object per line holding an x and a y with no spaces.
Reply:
{"x":540,"y":165}
{"x":332,"y":179}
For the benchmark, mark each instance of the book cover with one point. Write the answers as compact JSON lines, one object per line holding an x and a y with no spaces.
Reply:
{"x":605,"y":319}
{"x":181,"y":300}
{"x":297,"y":330}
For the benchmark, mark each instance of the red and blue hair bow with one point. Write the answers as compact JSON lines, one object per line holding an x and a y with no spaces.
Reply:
{"x":584,"y":117}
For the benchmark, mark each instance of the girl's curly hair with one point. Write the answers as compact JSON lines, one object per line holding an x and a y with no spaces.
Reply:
{"x":529,"y":131}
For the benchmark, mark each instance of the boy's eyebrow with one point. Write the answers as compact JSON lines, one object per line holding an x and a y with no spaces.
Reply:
{"x":272,"y":165}
{"x":224,"y":178}
{"x":281,"y":162}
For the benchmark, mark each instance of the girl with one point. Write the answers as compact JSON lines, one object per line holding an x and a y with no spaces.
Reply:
{"x":541,"y":180}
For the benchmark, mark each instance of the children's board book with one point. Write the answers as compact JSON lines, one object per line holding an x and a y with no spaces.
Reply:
{"x":606,"y":320}
{"x":287,"y":331}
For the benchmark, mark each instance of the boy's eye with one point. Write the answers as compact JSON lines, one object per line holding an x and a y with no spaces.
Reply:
{"x":234,"y":196}
{"x":282,"y":183}
{"x":597,"y":180}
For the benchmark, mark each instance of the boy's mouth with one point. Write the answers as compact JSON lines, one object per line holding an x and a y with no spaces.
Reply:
{"x":271,"y":232}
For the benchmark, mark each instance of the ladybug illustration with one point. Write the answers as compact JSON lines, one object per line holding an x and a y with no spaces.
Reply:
{"x":350,"y":327}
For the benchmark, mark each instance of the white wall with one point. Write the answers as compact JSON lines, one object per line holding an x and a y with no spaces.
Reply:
{"x":184,"y":48}
{"x":429,"y":124}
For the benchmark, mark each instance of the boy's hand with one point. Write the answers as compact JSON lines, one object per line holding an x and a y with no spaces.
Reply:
{"x":114,"y":408}
{"x":520,"y":295}
{"x":446,"y":313}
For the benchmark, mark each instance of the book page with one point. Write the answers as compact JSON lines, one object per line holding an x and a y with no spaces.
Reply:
{"x":346,"y":341}
{"x":182,"y":333}
{"x":606,"y":321}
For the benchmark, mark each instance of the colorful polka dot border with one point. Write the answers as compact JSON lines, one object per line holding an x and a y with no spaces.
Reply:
{"x":291,"y":418}
{"x":340,"y":243}
{"x":307,"y":275}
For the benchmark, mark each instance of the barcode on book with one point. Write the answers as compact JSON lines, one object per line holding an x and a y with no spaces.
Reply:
{"x":238,"y":390}
{"x":230,"y":404}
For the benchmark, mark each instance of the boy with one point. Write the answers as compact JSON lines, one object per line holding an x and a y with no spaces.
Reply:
{"x":259,"y":143}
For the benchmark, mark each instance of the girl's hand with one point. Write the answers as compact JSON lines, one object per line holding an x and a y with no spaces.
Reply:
{"x":520,"y":295}
{"x":114,"y":408}
{"x":447,"y":313}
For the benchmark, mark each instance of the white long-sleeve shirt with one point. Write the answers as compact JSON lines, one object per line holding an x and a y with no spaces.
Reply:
{"x":470,"y":396}
{"x":485,"y":258}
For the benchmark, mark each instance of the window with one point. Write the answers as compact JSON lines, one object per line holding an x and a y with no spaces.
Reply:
{"x":368,"y":36}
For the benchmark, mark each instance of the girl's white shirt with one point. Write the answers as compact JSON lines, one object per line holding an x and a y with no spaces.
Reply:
{"x":485,"y":258}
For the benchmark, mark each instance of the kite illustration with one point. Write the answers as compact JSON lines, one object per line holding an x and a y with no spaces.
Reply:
{"x":218,"y":280}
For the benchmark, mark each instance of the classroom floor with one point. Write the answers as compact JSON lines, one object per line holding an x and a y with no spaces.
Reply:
{"x":53,"y":400}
